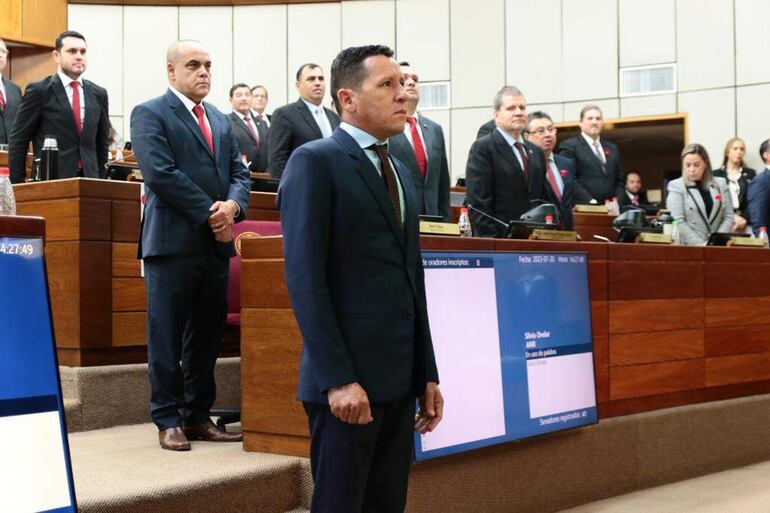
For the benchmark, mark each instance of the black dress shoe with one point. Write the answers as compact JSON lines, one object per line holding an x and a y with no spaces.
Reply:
{"x":208,"y":432}
{"x":174,"y":439}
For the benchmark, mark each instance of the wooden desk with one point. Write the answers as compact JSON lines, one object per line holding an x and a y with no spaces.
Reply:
{"x":22,"y":226}
{"x":97,"y":293}
{"x":671,"y":326}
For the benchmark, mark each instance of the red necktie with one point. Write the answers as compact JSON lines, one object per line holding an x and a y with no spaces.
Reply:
{"x":2,"y":101}
{"x":551,"y":177}
{"x":419,"y":149}
{"x":523,"y":155}
{"x":76,"y":107}
{"x":198,"y":111}
{"x":250,"y":128}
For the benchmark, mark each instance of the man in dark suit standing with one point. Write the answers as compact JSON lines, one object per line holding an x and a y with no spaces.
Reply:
{"x":504,"y":173}
{"x":599,"y":175}
{"x":559,"y":171}
{"x":259,"y":104}
{"x":196,"y":187}
{"x":302,"y":121}
{"x":422,"y":149}
{"x":64,"y":105}
{"x":486,"y":128}
{"x":355,"y":279}
{"x":249,"y":131}
{"x":10,"y":97}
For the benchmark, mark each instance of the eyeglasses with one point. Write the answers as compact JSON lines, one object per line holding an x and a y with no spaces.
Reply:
{"x":542,"y":131}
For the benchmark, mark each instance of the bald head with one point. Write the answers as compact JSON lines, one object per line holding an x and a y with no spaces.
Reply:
{"x":189,"y":69}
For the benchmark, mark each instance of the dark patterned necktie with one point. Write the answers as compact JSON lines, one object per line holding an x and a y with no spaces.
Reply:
{"x":390,"y":179}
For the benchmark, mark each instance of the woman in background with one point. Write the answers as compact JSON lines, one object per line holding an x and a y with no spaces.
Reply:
{"x":700,"y":202}
{"x":738,"y":177}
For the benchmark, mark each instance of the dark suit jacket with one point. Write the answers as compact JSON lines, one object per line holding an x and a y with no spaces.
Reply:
{"x":567,"y":173}
{"x":486,"y":128}
{"x":182,"y":177}
{"x":45,"y":110}
{"x":290,"y":127}
{"x":591,"y":182}
{"x":624,"y":200}
{"x":758,"y":201}
{"x":354,"y":276}
{"x":433,"y":190}
{"x":495,"y":183}
{"x":12,"y":101}
{"x":747,"y":175}
{"x":257,"y":155}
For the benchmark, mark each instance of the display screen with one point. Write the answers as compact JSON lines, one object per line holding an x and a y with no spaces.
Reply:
{"x":35,"y":468}
{"x":513,"y":344}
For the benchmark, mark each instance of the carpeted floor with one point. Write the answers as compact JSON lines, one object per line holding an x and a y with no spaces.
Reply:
{"x":740,"y":490}
{"x":123,"y":469}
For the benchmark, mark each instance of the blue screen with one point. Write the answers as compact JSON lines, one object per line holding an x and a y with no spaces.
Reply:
{"x":38,"y":476}
{"x":514,"y":348}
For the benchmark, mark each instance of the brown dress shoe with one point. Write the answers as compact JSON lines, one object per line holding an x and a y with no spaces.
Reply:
{"x":174,"y":439}
{"x":209,"y":432}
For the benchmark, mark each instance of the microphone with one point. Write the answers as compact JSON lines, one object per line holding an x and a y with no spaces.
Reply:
{"x":493,"y":218}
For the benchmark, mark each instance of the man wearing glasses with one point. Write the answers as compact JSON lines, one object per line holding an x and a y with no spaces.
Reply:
{"x":559,"y":171}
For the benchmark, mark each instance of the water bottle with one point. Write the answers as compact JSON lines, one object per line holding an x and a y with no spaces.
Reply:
{"x":7,"y":200}
{"x":763,"y":235}
{"x":464,"y":223}
{"x":49,"y":159}
{"x":676,"y":236}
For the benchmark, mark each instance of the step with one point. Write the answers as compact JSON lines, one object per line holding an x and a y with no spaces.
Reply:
{"x":123,"y":469}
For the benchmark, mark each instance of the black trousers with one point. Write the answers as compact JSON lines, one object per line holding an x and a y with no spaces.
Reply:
{"x":186,"y":312}
{"x":361,"y":468}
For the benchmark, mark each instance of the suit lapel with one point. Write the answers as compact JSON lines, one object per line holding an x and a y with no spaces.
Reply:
{"x":587,"y":147}
{"x":373,"y":180}
{"x":91,"y":116}
{"x":61,"y":96}
{"x":187,"y":118}
{"x":507,"y":153}
{"x":308,"y":117}
{"x":401,"y":143}
{"x":700,"y":207}
{"x":216,"y":131}
{"x":428,"y":139}
{"x":717,"y":199}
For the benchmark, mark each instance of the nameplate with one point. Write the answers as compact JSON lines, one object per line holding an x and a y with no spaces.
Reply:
{"x":746,"y":242}
{"x":654,"y":238}
{"x":435,"y":228}
{"x":561,"y":235}
{"x":591,"y":209}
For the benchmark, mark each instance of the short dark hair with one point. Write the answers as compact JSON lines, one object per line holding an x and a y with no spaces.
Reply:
{"x":238,"y":86}
{"x":348,"y":68}
{"x":633,"y":173}
{"x":404,"y":63}
{"x":67,"y":33}
{"x":259,"y":86}
{"x":310,"y":65}
{"x":533,"y":116}
{"x":764,"y":148}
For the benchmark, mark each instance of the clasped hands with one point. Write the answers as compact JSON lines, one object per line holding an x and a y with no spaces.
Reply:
{"x":350,"y":404}
{"x":221,"y":219}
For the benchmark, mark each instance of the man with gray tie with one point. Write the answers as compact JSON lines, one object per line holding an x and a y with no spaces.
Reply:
{"x":10,"y":97}
{"x":302,"y":121}
{"x":422,"y":149}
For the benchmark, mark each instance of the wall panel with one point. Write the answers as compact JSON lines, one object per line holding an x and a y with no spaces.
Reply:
{"x":314,"y":36}
{"x":647,"y":105}
{"x":639,"y":45}
{"x":102,"y":26}
{"x":212,"y":26}
{"x":752,"y":44}
{"x":477,"y":51}
{"x":712,"y":119}
{"x":366,"y":22}
{"x":590,"y":49}
{"x":753,"y":111}
{"x":259,"y":49}
{"x":533,"y":50}
{"x":465,"y":125}
{"x":705,"y":49}
{"x":422,"y":36}
{"x":144,"y":57}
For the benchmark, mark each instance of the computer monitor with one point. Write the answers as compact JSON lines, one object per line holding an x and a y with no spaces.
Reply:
{"x":35,"y":466}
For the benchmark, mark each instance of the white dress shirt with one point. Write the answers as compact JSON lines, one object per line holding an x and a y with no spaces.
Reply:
{"x":66,"y":82}
{"x":189,"y":105}
{"x":2,"y":89}
{"x":556,"y":173}
{"x":263,"y":118}
{"x":510,"y":140}
{"x":593,"y":144}
{"x":319,"y":114}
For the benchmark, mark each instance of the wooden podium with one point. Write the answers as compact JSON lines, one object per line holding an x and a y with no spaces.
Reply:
{"x":671,"y":326}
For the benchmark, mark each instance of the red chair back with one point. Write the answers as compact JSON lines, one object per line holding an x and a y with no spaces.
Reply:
{"x":241,"y":231}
